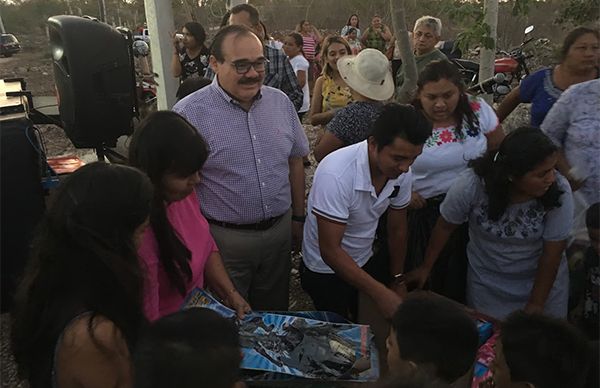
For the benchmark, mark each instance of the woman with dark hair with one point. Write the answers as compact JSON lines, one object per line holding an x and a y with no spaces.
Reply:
{"x":519,"y":211}
{"x":352,"y":23}
{"x":464,"y":127}
{"x":192,"y":60}
{"x":292,"y":47}
{"x":578,"y":62}
{"x":177,"y":250}
{"x":79,"y":306}
{"x":311,"y":39}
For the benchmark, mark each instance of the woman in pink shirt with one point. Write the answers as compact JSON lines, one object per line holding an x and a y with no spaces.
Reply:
{"x":177,"y":251}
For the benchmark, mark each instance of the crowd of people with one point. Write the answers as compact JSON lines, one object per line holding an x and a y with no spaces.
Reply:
{"x":429,"y":195}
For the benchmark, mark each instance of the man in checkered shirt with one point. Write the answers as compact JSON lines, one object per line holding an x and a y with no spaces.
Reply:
{"x":279,"y":72}
{"x":252,"y":187}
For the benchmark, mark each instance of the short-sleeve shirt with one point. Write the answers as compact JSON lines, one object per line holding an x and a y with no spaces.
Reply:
{"x":504,"y":255}
{"x":193,"y":67}
{"x":352,"y":124}
{"x":446,"y":154}
{"x":539,"y":90}
{"x":299,"y":63}
{"x":245,"y":179}
{"x":161,"y":297}
{"x":573,"y":124}
{"x":343,"y":192}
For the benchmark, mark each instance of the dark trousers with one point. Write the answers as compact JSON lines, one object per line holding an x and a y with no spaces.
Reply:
{"x":330,"y":292}
{"x":448,"y":275}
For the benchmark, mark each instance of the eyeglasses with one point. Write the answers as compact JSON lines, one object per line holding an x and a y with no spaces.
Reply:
{"x":242,"y":67}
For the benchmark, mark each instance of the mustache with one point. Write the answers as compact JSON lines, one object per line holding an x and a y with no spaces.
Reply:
{"x":250,"y":81}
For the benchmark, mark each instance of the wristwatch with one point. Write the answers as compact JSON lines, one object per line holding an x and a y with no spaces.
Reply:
{"x":298,"y":218}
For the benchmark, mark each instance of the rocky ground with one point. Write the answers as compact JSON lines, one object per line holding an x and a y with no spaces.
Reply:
{"x":34,"y":64}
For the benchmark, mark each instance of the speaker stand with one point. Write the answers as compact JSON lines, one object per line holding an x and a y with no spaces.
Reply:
{"x":114,"y":157}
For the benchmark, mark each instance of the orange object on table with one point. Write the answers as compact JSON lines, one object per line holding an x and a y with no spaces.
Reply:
{"x":65,"y":164}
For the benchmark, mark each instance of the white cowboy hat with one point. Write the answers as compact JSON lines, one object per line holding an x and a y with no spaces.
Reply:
{"x":368,"y":73}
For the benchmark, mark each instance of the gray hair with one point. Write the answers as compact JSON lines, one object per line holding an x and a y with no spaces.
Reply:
{"x":429,"y":21}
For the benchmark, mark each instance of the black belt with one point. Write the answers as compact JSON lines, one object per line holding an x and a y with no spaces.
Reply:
{"x":262,"y":225}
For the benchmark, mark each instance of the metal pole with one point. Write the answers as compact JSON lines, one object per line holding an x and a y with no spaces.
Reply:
{"x":161,"y":45}
{"x":2,"y":24}
{"x":102,"y":6}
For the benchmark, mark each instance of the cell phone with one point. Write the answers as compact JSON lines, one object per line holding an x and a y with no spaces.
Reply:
{"x":179,"y":36}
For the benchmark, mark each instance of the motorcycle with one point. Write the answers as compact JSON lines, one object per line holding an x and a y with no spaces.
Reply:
{"x":145,"y":83}
{"x":513,"y":64}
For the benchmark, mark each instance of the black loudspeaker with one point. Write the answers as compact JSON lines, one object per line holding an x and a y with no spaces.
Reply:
{"x":95,"y":80}
{"x":22,"y":201}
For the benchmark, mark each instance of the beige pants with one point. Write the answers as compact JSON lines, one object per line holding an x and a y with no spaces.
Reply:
{"x":258,"y":262}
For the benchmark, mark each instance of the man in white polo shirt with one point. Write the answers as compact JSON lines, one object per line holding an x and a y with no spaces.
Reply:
{"x":352,"y":188}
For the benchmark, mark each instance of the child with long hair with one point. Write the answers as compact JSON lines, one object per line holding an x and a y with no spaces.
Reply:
{"x":79,"y":306}
{"x":177,"y":250}
{"x":292,"y":46}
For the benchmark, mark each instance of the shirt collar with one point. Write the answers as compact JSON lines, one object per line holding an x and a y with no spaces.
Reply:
{"x":363,"y":172}
{"x":226,"y":96}
{"x":363,"y":180}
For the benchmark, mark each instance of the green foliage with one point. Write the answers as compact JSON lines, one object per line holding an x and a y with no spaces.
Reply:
{"x":477,"y":34}
{"x":579,"y":12}
{"x":463,"y":12}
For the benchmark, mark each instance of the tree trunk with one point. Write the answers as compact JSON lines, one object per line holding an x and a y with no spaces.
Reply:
{"x":487,"y":56}
{"x":406,"y":92}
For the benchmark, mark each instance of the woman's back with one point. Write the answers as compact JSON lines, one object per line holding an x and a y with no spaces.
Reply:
{"x":83,"y":260}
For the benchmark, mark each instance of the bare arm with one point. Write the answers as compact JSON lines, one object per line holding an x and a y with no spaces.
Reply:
{"x":317,"y":34}
{"x":564,"y":167}
{"x":510,"y":102}
{"x":297,"y":185}
{"x":101,"y":361}
{"x":545,"y":275}
{"x":330,"y":240}
{"x":494,"y":138}
{"x":317,"y":117}
{"x":328,"y":143}
{"x":397,"y":224}
{"x":363,"y":38}
{"x":176,"y":65}
{"x":301,"y":75}
{"x":439,"y":237}
{"x":386,"y":34}
{"x":217,"y":278}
